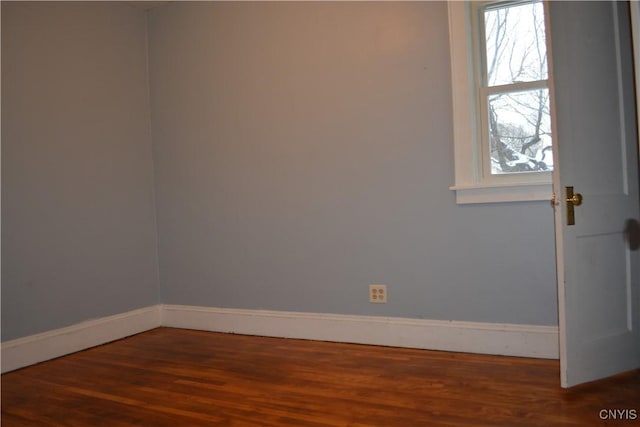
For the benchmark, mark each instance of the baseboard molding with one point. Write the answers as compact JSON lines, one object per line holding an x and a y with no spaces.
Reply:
{"x":471,"y":337}
{"x":38,"y":348}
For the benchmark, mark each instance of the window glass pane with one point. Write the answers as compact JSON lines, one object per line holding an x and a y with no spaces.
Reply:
{"x":520,"y":132}
{"x":515,"y":45}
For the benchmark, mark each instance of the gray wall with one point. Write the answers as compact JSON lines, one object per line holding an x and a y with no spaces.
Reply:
{"x":78,"y":227}
{"x":304,"y":151}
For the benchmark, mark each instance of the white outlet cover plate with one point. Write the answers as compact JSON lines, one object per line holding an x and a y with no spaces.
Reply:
{"x":378,"y":294}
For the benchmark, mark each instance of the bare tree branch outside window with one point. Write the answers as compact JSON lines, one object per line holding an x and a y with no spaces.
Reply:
{"x":517,"y":94}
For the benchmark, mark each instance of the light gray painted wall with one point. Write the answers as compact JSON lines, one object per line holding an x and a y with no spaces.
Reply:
{"x":304,"y":151}
{"x":78,"y":227}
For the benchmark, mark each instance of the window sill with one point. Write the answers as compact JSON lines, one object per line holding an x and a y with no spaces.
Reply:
{"x":501,"y":193}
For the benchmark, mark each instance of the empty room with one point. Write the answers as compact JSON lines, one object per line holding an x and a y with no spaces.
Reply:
{"x":320,"y":213}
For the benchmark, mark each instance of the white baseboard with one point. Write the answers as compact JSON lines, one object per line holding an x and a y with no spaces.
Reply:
{"x":37,"y":348}
{"x":471,"y":337}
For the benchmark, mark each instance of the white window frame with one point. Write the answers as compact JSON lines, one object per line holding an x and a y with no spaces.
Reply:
{"x":470,"y":185}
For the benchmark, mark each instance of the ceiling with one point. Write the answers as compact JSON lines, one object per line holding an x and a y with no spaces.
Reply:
{"x":146,"y":4}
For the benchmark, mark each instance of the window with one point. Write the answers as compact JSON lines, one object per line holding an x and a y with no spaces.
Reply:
{"x":502,"y":117}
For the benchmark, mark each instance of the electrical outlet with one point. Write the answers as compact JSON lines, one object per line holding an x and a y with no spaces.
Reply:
{"x":378,"y":294}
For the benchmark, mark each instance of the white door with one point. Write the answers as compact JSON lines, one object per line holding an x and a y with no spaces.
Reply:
{"x":597,"y":154}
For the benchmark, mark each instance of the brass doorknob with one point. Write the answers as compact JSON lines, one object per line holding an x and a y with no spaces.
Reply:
{"x":575,"y":200}
{"x":572,"y":199}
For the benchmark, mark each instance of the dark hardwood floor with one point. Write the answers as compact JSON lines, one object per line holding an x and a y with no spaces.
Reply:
{"x":173,"y":377}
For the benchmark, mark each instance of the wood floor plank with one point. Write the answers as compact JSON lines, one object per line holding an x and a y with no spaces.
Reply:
{"x":177,"y":377}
